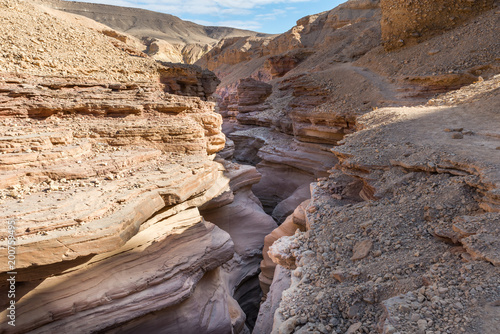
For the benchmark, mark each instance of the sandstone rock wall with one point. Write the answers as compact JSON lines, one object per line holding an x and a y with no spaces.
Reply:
{"x":281,"y":282}
{"x":332,"y":83}
{"x":112,"y":174}
{"x":240,"y":213}
{"x":421,"y":244}
{"x":102,"y":174}
{"x":287,"y":167}
{"x":188,"y":80}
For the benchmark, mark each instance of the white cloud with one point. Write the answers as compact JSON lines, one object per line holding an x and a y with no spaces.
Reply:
{"x":272,"y":15}
{"x":248,"y":25}
{"x":235,"y":11}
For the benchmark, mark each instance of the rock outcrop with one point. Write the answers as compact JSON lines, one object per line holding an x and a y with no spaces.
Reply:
{"x":333,"y":83}
{"x":102,"y":174}
{"x":287,"y":167}
{"x":294,"y":222}
{"x":423,"y":242}
{"x":239,"y":213}
{"x":110,"y":179}
{"x":281,"y":282}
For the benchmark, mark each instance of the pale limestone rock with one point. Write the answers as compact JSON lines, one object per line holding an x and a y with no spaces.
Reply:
{"x":280,"y":252}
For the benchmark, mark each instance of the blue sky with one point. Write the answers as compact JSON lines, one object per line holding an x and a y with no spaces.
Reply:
{"x":269,"y":16}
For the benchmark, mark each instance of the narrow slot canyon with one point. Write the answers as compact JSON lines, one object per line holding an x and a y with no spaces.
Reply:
{"x":341,"y":177}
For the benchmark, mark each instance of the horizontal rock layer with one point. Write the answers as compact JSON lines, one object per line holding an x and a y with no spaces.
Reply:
{"x":102,"y":181}
{"x":410,"y":258}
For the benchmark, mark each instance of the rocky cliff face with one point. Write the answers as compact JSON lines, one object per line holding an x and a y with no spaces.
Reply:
{"x":381,"y":169}
{"x":402,"y":261}
{"x":364,"y":239}
{"x":108,"y":173}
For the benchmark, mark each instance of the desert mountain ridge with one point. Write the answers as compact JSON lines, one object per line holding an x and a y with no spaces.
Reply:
{"x":165,"y":37}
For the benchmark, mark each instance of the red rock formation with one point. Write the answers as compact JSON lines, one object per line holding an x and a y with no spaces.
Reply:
{"x":102,"y":174}
{"x":252,"y":94}
{"x":188,"y":80}
{"x":239,"y":213}
{"x":281,"y":64}
{"x":108,"y":172}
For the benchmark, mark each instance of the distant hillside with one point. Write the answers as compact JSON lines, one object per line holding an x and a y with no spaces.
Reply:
{"x":185,"y":41}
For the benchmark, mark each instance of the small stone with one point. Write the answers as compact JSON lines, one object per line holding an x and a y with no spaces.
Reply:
{"x":422,"y":324}
{"x":340,"y":275}
{"x":457,"y":136}
{"x":442,"y":290}
{"x":389,"y":329}
{"x":353,"y":328}
{"x":312,"y":209}
{"x":361,"y":250}
{"x":354,"y":311}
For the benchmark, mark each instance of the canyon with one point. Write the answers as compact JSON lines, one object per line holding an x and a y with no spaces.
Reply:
{"x":342,"y":177}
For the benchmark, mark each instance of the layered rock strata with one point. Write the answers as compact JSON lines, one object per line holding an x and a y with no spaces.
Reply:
{"x":112,"y":174}
{"x":102,"y":174}
{"x":287,"y":167}
{"x":240,"y":213}
{"x":327,"y":72}
{"x":420,"y":254}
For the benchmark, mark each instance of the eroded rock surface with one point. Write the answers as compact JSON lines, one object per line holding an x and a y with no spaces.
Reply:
{"x":423,"y":244}
{"x":102,"y":173}
{"x":329,"y":71}
{"x":240,"y":213}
